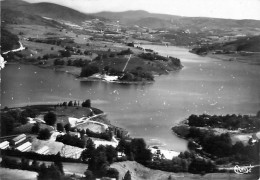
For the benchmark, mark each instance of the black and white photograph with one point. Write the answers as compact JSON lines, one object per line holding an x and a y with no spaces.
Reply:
{"x":130,"y":90}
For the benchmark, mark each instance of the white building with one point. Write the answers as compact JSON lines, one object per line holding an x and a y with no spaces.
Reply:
{"x":18,"y":139}
{"x":24,"y":147}
{"x":4,"y":145}
{"x":44,"y":150}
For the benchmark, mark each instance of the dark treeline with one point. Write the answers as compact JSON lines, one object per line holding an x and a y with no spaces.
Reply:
{"x":220,"y":148}
{"x":232,"y":122}
{"x":13,"y":118}
{"x":35,"y":156}
{"x":54,"y":171}
{"x":71,"y":140}
{"x":153,"y":57}
{"x":185,"y":162}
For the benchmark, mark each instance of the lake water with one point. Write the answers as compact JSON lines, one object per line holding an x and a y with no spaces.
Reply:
{"x":204,"y":85}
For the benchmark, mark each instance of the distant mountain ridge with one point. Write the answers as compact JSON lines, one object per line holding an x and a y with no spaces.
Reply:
{"x":144,"y":18}
{"x":128,"y":18}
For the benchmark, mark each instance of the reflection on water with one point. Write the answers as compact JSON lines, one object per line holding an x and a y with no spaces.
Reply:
{"x":204,"y":86}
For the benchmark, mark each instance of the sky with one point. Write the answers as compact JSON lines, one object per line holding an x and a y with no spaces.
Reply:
{"x":229,"y":9}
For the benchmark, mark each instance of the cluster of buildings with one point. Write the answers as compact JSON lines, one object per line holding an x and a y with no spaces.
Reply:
{"x":20,"y":143}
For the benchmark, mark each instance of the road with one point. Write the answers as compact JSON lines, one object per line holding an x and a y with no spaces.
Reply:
{"x":15,"y":50}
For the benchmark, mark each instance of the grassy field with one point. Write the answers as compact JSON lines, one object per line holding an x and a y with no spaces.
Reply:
{"x":12,"y":174}
{"x":138,"y":172}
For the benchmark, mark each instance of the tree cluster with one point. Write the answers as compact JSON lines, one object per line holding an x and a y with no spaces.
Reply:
{"x":44,"y":134}
{"x":52,"y":172}
{"x":77,"y":63}
{"x":135,"y":150}
{"x":185,"y":162}
{"x":232,"y":122}
{"x":71,"y":140}
{"x":220,"y":147}
{"x":89,"y":70}
{"x":125,"y":52}
{"x":86,"y":103}
{"x":59,"y":62}
{"x":12,"y":117}
{"x":104,"y":135}
{"x":153,"y":57}
{"x":99,"y":160}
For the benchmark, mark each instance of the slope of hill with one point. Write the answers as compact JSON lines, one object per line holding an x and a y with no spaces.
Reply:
{"x":138,"y":172}
{"x":9,"y":16}
{"x":49,"y":10}
{"x":251,"y":44}
{"x":8,"y":40}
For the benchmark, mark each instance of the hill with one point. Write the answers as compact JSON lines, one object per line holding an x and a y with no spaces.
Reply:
{"x":172,"y":21}
{"x":49,"y":10}
{"x":251,"y":44}
{"x":247,"y":44}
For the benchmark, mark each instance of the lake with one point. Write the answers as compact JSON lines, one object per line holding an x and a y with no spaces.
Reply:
{"x":204,"y":85}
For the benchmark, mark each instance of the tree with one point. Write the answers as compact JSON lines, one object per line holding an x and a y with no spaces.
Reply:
{"x":50,"y":118}
{"x":141,"y":154}
{"x":89,"y":70}
{"x":7,"y":124}
{"x":87,"y":103}
{"x":70,"y":103}
{"x":36,"y":128}
{"x":60,"y":127}
{"x":112,"y":173}
{"x":35,"y":166}
{"x":28,"y":112}
{"x":89,"y":175}
{"x":25,"y":164}
{"x":45,"y":56}
{"x":58,"y":162}
{"x":65,"y":53}
{"x":67,"y":127}
{"x":69,"y":62}
{"x":111,"y":154}
{"x":44,"y":134}
{"x":89,"y":150}
{"x":127,"y":176}
{"x":50,"y":173}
